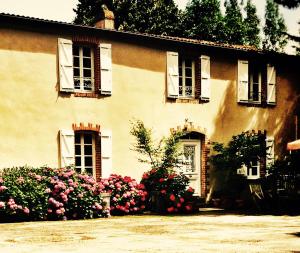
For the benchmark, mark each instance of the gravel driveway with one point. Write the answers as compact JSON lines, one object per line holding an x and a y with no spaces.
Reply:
{"x":151,"y":233}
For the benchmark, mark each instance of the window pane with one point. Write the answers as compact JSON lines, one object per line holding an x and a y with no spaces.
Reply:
{"x":188,"y":82}
{"x":76,"y":61}
{"x":89,"y":171}
{"x":75,"y":50}
{"x":78,"y":170}
{"x":77,"y":161}
{"x":188,"y":72}
{"x":86,"y":62}
{"x":254,"y":171}
{"x":76,"y":72}
{"x":86,"y":51}
{"x":77,"y":149}
{"x":88,"y":161}
{"x":180,"y":90}
{"x":180,"y":71}
{"x":188,"y":63}
{"x":88,"y":150}
{"x":87,"y":139}
{"x":87,"y":83}
{"x":77,"y":138}
{"x":76,"y":83}
{"x":87,"y":73}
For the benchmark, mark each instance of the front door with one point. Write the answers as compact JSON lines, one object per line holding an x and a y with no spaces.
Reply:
{"x":190,"y":163}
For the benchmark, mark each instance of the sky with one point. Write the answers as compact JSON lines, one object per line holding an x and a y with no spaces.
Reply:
{"x":62,"y":10}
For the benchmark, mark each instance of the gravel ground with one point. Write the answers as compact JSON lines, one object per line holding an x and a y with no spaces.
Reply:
{"x":151,"y":233}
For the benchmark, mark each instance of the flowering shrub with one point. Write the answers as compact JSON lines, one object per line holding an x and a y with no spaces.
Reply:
{"x":127,"y":196}
{"x":171,"y":188}
{"x":45,"y":193}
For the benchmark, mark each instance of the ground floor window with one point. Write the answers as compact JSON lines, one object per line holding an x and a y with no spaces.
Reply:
{"x":253,"y":171}
{"x":85,"y":152}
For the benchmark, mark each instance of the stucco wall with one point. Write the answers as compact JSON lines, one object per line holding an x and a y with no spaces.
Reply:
{"x":33,"y":110}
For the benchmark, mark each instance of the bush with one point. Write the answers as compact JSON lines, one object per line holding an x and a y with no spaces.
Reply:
{"x":127,"y":196}
{"x":49,"y":194}
{"x":170,"y":188}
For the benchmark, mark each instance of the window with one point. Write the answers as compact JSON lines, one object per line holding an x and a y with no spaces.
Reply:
{"x":181,"y":76}
{"x":253,"y":172}
{"x":186,"y":77}
{"x":250,"y":84}
{"x":83,"y":68}
{"x":255,"y":83}
{"x":85,"y":152}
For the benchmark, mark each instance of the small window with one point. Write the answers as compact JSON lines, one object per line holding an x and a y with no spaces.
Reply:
{"x":253,"y":172}
{"x":83,"y":68}
{"x":85,"y":152}
{"x":186,"y":77}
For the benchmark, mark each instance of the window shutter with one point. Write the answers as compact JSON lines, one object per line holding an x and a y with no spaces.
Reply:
{"x":243,"y":81}
{"x":270,"y":156}
{"x":172,"y":74}
{"x":105,"y":69}
{"x":67,"y":148}
{"x":65,"y":53}
{"x":271,"y":84}
{"x":205,"y":77}
{"x":106,"y":153}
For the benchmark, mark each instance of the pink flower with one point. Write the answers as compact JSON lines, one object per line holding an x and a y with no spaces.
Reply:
{"x":1,"y":180}
{"x":2,"y":188}
{"x":58,"y":211}
{"x":188,"y":207}
{"x":170,"y":209}
{"x":178,"y":205}
{"x":172,"y":197}
{"x":2,"y":204}
{"x":161,"y":180}
{"x":48,"y":190}
{"x":163,"y":191}
{"x":49,"y":210}
{"x":26,"y":210}
{"x":181,"y":200}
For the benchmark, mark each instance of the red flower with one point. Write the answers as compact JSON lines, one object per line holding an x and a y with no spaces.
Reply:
{"x":172,"y":197}
{"x":190,"y":189}
{"x":188,"y":207}
{"x":163,"y":191}
{"x":161,"y":180}
{"x":178,"y":205}
{"x":181,"y":200}
{"x":171,"y":176}
{"x":170,"y":209}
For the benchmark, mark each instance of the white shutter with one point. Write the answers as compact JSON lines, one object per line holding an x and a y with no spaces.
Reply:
{"x":67,"y":148}
{"x":271,"y":84}
{"x":172,"y":74}
{"x":243,"y":81}
{"x":65,"y":53}
{"x":270,"y":156}
{"x":106,"y":69}
{"x":205,"y":77}
{"x":106,"y":153}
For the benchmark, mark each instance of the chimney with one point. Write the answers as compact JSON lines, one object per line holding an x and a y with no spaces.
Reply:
{"x":106,"y":20}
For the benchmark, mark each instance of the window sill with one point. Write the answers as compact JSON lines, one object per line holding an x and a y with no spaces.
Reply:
{"x":87,"y":95}
{"x":187,"y":100}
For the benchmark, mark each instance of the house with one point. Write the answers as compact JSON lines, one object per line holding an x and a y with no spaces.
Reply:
{"x":69,"y":93}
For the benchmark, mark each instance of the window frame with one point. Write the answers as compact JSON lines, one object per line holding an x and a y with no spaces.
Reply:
{"x":251,"y":70}
{"x":82,"y":155}
{"x":182,"y":77}
{"x":81,"y":68}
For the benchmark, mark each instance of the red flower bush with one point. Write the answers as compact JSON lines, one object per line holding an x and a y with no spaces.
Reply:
{"x":172,"y":189}
{"x":127,"y":196}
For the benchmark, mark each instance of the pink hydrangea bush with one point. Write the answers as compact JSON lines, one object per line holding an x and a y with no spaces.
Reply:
{"x":45,"y":193}
{"x":170,"y":189}
{"x":127,"y":196}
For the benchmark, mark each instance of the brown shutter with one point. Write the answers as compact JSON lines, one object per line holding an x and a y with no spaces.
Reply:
{"x":97,"y":67}
{"x":263,"y":84}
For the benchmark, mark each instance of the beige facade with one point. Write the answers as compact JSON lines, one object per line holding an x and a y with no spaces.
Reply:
{"x":33,"y":109}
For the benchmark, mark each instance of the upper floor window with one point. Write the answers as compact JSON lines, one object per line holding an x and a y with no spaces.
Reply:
{"x":251,"y":85}
{"x":186,"y":77}
{"x":80,"y":69}
{"x":83,"y":68}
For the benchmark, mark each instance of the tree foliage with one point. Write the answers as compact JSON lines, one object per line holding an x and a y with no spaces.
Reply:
{"x":274,"y":29}
{"x":251,"y":23}
{"x":289,"y":3}
{"x":234,"y":26}
{"x":163,"y":154}
{"x":152,"y":16}
{"x":203,"y":20}
{"x":241,"y":150}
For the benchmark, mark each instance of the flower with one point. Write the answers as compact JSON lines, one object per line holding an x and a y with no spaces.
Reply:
{"x":190,"y":189}
{"x":163,"y":191}
{"x":26,"y":210}
{"x":2,"y":188}
{"x":170,"y":209}
{"x":172,"y":197}
{"x":2,"y":204}
{"x":161,"y":180}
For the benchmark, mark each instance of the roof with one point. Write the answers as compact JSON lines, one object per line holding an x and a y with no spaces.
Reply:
{"x":31,"y":22}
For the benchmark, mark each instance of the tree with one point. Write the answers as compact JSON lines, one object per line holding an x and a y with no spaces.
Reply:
{"x":152,"y":16}
{"x":289,"y":3}
{"x":274,"y":29}
{"x":203,"y":20}
{"x":251,"y":23}
{"x":234,"y":25}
